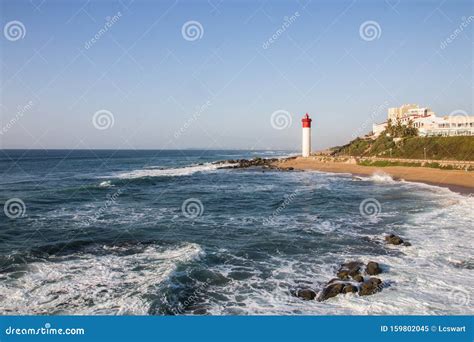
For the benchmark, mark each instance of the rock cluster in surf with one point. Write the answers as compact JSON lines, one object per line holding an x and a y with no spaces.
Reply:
{"x":393,"y":239}
{"x":353,"y":277}
{"x":268,"y":163}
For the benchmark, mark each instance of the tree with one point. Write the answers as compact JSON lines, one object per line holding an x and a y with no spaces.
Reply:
{"x":410,"y":130}
{"x":400,"y":130}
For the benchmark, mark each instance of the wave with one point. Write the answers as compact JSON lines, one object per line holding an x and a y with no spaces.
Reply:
{"x":105,"y":184}
{"x":171,"y":172}
{"x":117,"y":280}
{"x":275,"y":154}
{"x":432,"y":277}
{"x":378,"y":177}
{"x":383,"y":178}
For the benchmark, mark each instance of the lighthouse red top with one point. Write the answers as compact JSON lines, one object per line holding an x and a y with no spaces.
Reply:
{"x":306,"y":121}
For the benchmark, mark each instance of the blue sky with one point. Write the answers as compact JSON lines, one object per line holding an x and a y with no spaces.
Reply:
{"x":220,"y":90}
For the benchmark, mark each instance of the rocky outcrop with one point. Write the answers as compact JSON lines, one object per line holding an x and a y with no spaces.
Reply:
{"x":331,"y":290}
{"x":393,"y":239}
{"x":255,"y":162}
{"x":306,"y":294}
{"x":350,"y":280}
{"x":343,"y":275}
{"x":371,"y":286}
{"x":349,"y":269}
{"x":373,"y":268}
{"x":349,"y":288}
{"x":246,"y":163}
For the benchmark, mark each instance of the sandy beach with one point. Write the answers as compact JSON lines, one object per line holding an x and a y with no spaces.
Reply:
{"x":456,"y":180}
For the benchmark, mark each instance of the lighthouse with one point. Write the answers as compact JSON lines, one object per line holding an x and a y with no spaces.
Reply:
{"x":306,"y":150}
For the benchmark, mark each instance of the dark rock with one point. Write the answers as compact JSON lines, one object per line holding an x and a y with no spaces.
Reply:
{"x":352,"y":268}
{"x":358,"y":278}
{"x":354,"y":272}
{"x":371,"y":286}
{"x":344,"y":275}
{"x":349,"y":289}
{"x":247,"y":163}
{"x":306,"y":294}
{"x":394,"y":239}
{"x":375,"y":281}
{"x":331,"y":291}
{"x":290,"y":168}
{"x":373,"y":268}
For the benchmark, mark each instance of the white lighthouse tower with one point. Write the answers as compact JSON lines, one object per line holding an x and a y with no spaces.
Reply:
{"x":306,"y":150}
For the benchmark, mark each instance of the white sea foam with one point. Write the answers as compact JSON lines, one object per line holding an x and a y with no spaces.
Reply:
{"x":172,"y":172}
{"x":431,"y":277}
{"x":380,"y":177}
{"x":105,"y":184}
{"x":110,"y":283}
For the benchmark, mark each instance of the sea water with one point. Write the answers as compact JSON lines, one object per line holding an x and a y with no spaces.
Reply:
{"x":169,"y":232}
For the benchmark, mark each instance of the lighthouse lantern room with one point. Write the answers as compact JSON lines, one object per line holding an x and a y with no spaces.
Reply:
{"x":306,"y":148}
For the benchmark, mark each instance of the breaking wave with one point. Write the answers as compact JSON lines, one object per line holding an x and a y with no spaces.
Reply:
{"x":379,"y":177}
{"x":114,"y":282}
{"x":171,"y":172}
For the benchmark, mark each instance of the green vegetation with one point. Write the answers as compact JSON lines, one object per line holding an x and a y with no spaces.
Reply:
{"x":385,"y":163}
{"x":437,"y":148}
{"x":400,"y":131}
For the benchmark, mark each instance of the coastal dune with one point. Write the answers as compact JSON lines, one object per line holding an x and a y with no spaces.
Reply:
{"x":462,"y":181}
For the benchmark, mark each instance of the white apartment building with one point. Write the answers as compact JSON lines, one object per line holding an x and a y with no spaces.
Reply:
{"x":427,"y":122}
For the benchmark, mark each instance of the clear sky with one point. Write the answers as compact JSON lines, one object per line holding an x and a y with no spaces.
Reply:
{"x":166,"y":87}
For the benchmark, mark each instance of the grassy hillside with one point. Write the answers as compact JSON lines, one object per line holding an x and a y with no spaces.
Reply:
{"x":443,"y":148}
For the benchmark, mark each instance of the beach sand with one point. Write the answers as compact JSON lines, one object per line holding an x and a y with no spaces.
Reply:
{"x":456,"y":180}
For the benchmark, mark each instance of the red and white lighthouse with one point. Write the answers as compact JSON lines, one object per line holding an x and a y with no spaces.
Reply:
{"x":306,"y":147}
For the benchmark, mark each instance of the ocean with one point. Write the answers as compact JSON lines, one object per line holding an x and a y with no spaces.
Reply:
{"x":171,"y":233}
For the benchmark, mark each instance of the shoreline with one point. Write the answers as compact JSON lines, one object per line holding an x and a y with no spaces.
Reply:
{"x":455,"y":180}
